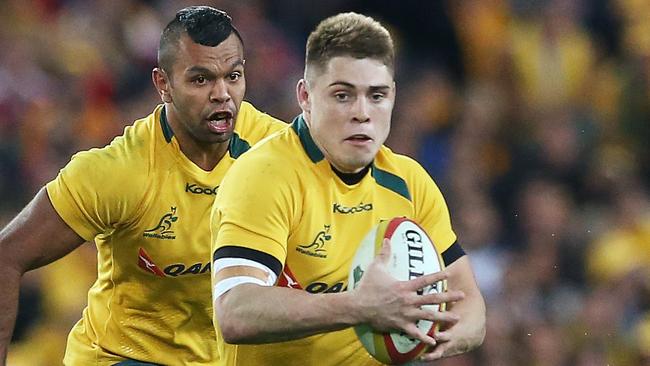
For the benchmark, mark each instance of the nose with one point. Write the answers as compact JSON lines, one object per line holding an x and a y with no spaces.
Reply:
{"x":361,"y":113}
{"x":219,"y":92}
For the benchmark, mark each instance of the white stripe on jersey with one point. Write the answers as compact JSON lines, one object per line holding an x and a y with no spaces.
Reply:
{"x":222,"y":263}
{"x":227,"y":284}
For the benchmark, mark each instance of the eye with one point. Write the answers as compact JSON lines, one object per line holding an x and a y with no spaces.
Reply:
{"x":200,"y":80}
{"x":235,"y":76}
{"x":342,"y":97}
{"x":377,"y":97}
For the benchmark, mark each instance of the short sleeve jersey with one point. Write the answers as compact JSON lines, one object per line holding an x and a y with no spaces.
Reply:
{"x":283,"y":205}
{"x":146,"y":206}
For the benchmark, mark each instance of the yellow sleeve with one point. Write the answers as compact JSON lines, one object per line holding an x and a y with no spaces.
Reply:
{"x":95,"y":192}
{"x":255,"y":206}
{"x":430,"y":208}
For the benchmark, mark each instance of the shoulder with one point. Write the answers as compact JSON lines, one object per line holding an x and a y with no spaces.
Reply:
{"x":249,"y":113}
{"x":274,"y":159}
{"x":279,"y":149}
{"x":409,"y":169}
{"x":130,"y":153}
{"x":266,"y":176}
{"x":402,"y":174}
{"x":398,"y":163}
{"x":253,"y":125}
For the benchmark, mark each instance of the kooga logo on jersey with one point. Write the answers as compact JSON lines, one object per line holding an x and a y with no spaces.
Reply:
{"x":193,"y":188}
{"x":337,"y":208}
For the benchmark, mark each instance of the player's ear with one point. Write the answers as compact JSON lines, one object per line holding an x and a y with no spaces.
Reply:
{"x":162,"y":84}
{"x":302,"y":93}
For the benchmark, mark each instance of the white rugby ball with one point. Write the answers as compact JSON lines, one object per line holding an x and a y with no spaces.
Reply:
{"x":412,"y":255}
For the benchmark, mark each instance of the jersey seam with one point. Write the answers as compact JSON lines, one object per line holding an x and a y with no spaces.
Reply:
{"x":112,"y":295}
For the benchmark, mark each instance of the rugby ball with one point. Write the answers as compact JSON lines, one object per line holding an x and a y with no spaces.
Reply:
{"x":412,"y":255}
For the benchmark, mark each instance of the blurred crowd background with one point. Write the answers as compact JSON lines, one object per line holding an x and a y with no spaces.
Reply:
{"x":533,"y":116}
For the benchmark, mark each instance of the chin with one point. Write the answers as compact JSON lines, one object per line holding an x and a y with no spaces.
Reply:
{"x":353,"y":166}
{"x":221,"y":138}
{"x":364,"y":161}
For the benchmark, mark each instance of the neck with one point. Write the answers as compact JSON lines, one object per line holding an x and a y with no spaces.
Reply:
{"x":205,"y":155}
{"x":351,"y":178}
{"x":346,"y":170}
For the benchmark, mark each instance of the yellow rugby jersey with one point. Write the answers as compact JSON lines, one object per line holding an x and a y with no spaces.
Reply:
{"x":284,"y":200}
{"x":146,"y":206}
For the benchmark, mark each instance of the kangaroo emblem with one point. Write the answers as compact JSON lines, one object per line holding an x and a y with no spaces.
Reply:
{"x":318,"y":244}
{"x":165,"y":224}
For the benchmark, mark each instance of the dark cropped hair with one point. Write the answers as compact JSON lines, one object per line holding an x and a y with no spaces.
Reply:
{"x":205,"y":25}
{"x":349,"y":34}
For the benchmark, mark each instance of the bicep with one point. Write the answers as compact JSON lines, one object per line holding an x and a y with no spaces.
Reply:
{"x":37,"y":236}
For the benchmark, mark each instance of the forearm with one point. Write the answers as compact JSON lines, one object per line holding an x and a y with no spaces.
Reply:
{"x":471,"y":309}
{"x":35,"y":237}
{"x":10,"y":280}
{"x":281,"y":314}
{"x":472,"y":312}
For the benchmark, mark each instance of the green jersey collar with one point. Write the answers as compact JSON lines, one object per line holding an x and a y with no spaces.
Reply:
{"x":302,"y":130}
{"x":164,"y":124}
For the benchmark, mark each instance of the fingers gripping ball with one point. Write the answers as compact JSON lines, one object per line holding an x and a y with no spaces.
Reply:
{"x":412,"y":255}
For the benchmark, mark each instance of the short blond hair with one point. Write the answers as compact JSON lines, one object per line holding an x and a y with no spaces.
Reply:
{"x":349,"y":34}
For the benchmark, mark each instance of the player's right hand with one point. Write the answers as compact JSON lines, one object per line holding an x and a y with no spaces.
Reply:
{"x":387,"y":304}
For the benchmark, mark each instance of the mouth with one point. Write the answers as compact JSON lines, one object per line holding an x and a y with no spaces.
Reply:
{"x":359,"y":139}
{"x":220,"y":122}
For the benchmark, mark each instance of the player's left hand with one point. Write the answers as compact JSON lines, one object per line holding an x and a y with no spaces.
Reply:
{"x":450,"y":342}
